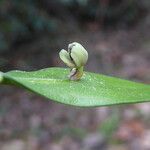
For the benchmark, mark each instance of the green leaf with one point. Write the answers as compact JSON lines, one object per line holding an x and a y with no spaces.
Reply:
{"x":92,"y":90}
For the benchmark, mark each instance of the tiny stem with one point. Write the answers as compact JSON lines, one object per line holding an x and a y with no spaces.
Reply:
{"x":1,"y":77}
{"x":76,"y":73}
{"x":81,"y":69}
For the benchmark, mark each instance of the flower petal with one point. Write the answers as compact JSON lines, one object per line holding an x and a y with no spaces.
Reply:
{"x":64,"y":56}
{"x":78,"y":54}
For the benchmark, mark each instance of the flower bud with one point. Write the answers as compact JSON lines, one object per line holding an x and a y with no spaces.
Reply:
{"x":78,"y":54}
{"x":75,"y":58}
{"x":65,"y":57}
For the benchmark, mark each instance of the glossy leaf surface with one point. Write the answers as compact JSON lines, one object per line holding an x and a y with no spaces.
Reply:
{"x":92,"y":90}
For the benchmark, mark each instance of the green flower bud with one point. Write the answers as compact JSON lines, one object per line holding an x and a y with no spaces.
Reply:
{"x":78,"y":54}
{"x":64,"y":56}
{"x":75,"y":58}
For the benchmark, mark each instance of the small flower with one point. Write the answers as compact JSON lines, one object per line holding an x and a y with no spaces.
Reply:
{"x":75,"y":58}
{"x":78,"y":54}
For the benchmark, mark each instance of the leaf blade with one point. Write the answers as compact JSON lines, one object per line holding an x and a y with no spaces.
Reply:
{"x":91,"y":90}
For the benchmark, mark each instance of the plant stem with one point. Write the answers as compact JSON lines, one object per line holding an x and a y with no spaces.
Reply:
{"x":1,"y":77}
{"x":76,"y":73}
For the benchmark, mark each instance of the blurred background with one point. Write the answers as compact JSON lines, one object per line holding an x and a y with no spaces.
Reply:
{"x":116,"y":33}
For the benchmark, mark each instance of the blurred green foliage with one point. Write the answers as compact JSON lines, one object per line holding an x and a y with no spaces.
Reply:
{"x":24,"y":20}
{"x":110,"y":125}
{"x":20,"y":21}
